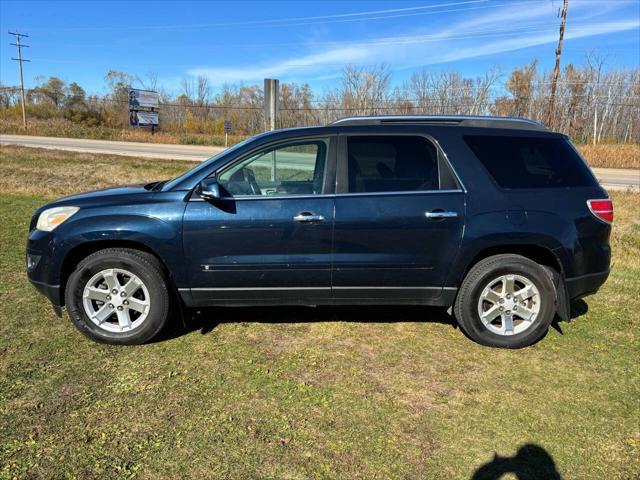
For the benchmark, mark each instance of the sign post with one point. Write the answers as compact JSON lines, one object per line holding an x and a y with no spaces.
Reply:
{"x":227,"y":131}
{"x":143,"y":109}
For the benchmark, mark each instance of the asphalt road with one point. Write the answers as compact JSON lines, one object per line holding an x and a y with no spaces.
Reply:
{"x":610,"y":178}
{"x":131,"y":149}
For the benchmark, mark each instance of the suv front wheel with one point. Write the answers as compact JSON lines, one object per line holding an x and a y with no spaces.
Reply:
{"x":118,"y":296}
{"x":506,"y":301}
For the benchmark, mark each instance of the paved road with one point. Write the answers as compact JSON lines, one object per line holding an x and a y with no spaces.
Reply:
{"x":618,"y":178}
{"x":610,"y":178}
{"x":132,"y":149}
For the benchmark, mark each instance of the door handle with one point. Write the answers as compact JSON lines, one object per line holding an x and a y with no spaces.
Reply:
{"x":440,"y":214}
{"x":306,"y":217}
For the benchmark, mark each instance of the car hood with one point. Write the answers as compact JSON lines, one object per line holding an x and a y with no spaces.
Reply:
{"x":123,"y":195}
{"x":102,"y":194}
{"x":128,"y":199}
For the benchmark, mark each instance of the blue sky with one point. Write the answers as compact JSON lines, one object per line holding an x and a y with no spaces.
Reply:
{"x":306,"y":41}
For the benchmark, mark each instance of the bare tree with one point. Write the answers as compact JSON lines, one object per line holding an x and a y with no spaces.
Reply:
{"x":203,"y":91}
{"x":594,"y":101}
{"x":364,"y":91}
{"x":520,"y":86}
{"x":149,"y":82}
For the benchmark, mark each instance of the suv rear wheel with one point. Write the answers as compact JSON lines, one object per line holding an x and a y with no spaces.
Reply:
{"x":506,"y":301}
{"x":118,"y":296}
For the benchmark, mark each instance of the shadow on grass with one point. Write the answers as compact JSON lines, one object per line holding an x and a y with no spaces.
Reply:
{"x":531,"y":462}
{"x":577,"y":309}
{"x":206,"y":319}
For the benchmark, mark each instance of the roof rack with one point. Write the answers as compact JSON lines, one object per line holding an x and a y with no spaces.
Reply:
{"x":462,"y":120}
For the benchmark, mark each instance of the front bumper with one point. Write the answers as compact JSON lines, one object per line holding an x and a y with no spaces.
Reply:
{"x":52,"y":292}
{"x":584,"y":285}
{"x":42,"y":274}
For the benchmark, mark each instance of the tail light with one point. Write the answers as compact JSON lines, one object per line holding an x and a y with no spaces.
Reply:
{"x":603,"y":209}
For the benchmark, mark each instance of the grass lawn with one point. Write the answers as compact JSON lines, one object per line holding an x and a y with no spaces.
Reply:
{"x":307,"y":393}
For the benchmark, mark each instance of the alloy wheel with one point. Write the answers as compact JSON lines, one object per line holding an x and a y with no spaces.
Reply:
{"x":509,"y":304}
{"x":116,"y":300}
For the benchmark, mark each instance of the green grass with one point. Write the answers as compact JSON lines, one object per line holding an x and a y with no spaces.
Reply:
{"x":313,"y":393}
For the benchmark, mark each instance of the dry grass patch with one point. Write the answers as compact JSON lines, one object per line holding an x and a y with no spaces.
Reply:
{"x":60,"y":127}
{"x":612,"y":156}
{"x":625,"y":237}
{"x":53,"y":173}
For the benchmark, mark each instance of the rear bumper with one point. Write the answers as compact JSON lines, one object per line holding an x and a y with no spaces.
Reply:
{"x":584,"y":285}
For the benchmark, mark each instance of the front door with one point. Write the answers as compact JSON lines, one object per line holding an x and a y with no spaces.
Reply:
{"x":398,"y":222}
{"x":268,"y":240}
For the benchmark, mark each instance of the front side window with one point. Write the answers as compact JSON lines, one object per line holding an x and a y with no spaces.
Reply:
{"x":287,"y":169}
{"x":391,"y":164}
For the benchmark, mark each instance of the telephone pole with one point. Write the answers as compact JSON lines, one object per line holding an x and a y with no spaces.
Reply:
{"x":20,"y":60}
{"x":271,"y":94}
{"x":556,"y":70}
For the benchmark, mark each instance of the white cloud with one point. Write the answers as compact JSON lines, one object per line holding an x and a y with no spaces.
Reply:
{"x":532,"y":41}
{"x":478,"y":34}
{"x":336,"y":56}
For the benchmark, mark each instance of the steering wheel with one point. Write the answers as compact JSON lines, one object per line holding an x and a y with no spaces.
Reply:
{"x":250,"y":178}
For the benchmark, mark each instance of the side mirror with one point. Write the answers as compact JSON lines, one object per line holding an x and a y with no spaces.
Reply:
{"x":209,"y":189}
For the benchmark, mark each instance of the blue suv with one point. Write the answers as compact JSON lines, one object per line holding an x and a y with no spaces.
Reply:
{"x":498,"y":218}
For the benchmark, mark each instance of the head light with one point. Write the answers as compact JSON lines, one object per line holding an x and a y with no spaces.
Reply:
{"x":52,"y":217}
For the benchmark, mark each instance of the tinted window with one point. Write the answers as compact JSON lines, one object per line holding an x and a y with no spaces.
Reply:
{"x":290,"y":169}
{"x":530,"y":162}
{"x":391,"y":164}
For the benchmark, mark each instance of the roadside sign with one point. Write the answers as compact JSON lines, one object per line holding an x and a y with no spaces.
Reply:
{"x":143,"y":108}
{"x":140,"y":118}
{"x":227,"y":131}
{"x":143,"y":98}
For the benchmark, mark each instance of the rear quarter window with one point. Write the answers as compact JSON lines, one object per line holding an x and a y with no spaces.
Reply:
{"x":531,"y":162}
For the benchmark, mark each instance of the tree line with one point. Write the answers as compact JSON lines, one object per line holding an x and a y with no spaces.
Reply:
{"x":593,"y":103}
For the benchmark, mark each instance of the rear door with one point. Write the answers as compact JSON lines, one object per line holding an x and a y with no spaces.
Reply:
{"x":268,"y":240}
{"x":399,"y":217}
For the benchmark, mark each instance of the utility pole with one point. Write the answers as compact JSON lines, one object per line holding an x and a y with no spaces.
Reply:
{"x":556,"y":70}
{"x":271,"y":94}
{"x":20,"y":60}
{"x":271,"y":97}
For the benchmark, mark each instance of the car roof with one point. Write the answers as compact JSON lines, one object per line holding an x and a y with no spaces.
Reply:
{"x":515,"y":123}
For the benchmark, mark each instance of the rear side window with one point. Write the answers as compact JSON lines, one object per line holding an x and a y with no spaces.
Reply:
{"x":391,"y":164}
{"x":531,"y":162}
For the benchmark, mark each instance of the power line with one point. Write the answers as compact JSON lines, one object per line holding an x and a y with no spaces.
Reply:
{"x":293,"y":21}
{"x":19,"y":46}
{"x":311,"y":63}
{"x":428,"y":99}
{"x":282,"y":20}
{"x":533,"y":27}
{"x":324,"y":105}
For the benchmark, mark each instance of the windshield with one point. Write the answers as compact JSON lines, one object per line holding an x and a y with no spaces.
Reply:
{"x":170,"y":184}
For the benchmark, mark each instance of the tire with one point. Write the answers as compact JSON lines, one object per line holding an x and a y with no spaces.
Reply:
{"x":138,"y":309}
{"x":491,"y":280}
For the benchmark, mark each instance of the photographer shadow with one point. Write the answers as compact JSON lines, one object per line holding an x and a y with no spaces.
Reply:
{"x":531,"y":462}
